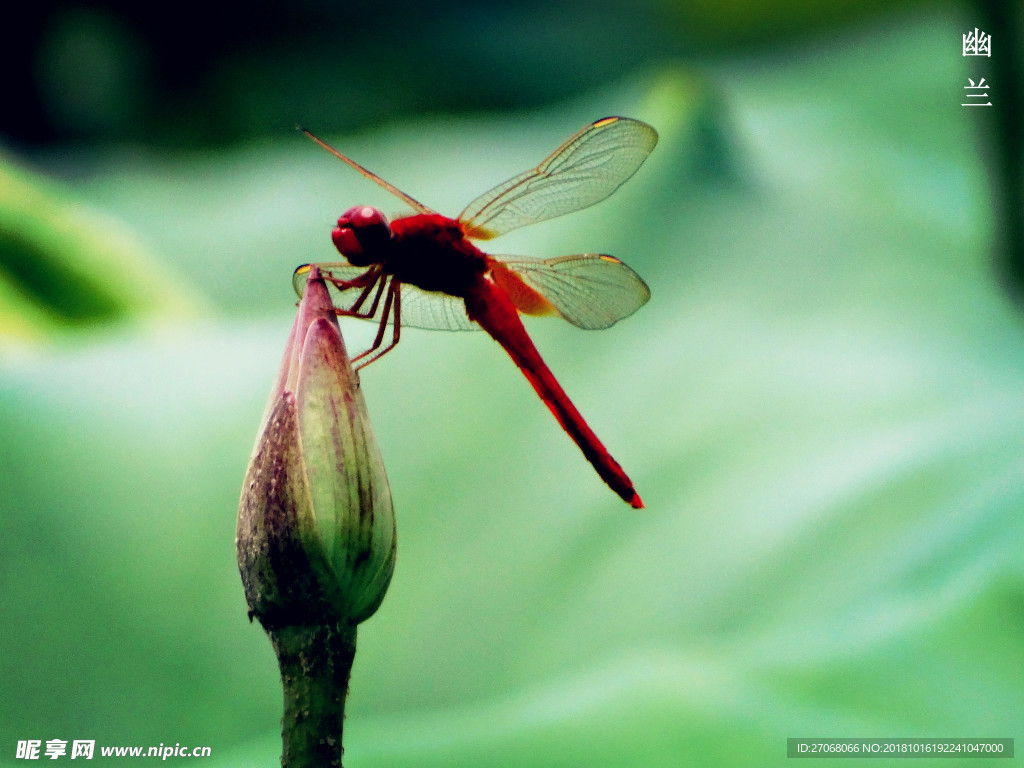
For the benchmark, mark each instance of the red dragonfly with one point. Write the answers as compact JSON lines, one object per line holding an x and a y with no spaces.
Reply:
{"x":422,"y":270}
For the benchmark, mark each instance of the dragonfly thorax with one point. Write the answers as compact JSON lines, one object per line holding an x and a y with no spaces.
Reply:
{"x":430,"y":252}
{"x":362,"y":235}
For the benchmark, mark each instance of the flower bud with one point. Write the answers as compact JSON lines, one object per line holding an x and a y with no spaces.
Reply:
{"x":316,"y":526}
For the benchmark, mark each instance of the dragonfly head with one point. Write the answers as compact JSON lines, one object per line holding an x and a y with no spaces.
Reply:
{"x":361,"y":235}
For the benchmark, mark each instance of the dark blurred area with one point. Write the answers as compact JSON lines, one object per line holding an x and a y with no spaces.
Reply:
{"x":200,"y":74}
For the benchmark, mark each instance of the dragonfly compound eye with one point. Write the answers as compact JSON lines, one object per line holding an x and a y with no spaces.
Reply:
{"x":361,"y":234}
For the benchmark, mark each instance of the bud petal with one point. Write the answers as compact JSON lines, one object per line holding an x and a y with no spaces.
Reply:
{"x":352,"y":505}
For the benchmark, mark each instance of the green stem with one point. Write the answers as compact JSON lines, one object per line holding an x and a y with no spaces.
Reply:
{"x":315,"y":662}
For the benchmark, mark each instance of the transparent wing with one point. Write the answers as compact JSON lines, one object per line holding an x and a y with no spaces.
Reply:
{"x":590,"y":290}
{"x":419,"y":308}
{"x":339,"y":270}
{"x":584,"y":170}
{"x":434,"y":311}
{"x":416,"y":205}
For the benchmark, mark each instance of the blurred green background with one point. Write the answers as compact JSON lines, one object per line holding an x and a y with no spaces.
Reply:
{"x":822,"y":405}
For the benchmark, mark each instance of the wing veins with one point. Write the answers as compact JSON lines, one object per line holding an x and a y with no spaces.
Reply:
{"x":591,"y":165}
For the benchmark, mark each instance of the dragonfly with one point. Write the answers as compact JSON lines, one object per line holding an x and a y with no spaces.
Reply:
{"x":424,"y":271}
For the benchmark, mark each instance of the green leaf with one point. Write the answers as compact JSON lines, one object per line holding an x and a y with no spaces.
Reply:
{"x":64,"y":264}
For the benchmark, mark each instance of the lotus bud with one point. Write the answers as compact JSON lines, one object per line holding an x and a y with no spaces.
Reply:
{"x":316,"y":527}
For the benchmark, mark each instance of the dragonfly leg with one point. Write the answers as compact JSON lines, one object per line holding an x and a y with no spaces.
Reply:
{"x":393,"y":302}
{"x":367,"y":281}
{"x":356,"y":309}
{"x":369,"y":277}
